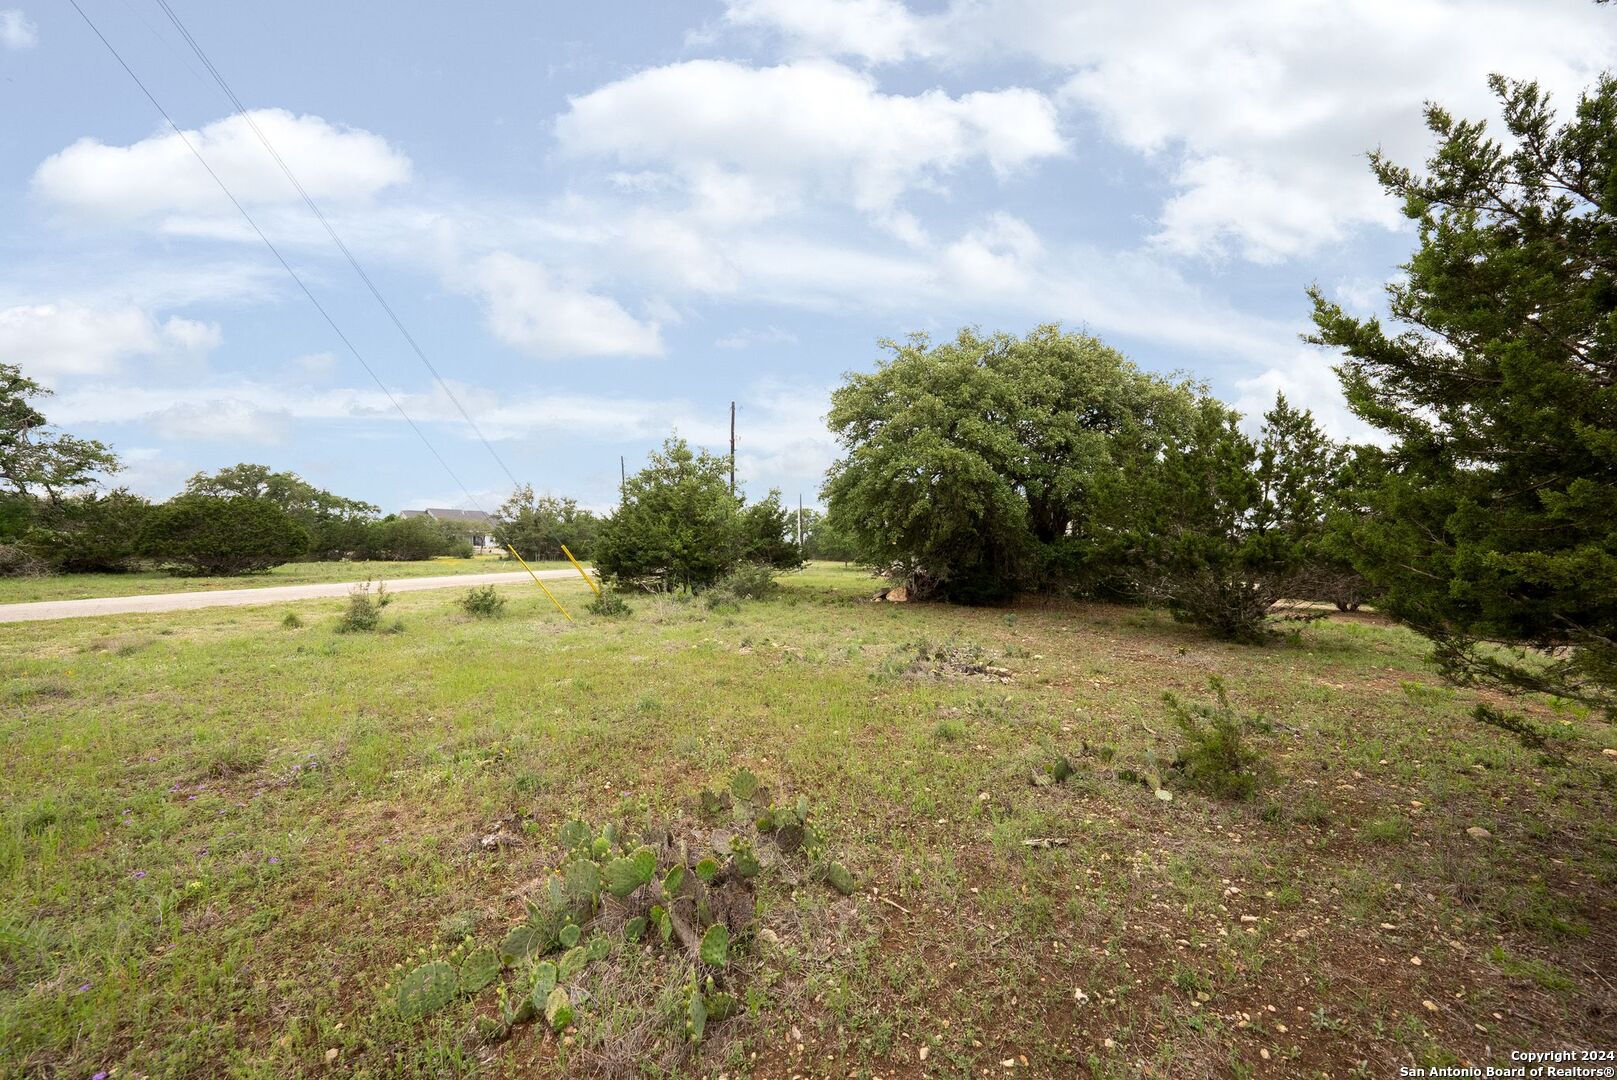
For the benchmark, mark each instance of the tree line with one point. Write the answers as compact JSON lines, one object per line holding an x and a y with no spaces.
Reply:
{"x":1485,"y":517}
{"x":989,"y":465}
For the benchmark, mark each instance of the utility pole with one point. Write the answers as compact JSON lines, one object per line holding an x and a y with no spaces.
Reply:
{"x":799,"y":525}
{"x":623,"y":481}
{"x":732,"y":449}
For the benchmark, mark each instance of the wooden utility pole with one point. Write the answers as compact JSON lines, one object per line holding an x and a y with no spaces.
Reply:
{"x":623,"y":481}
{"x":800,"y":525}
{"x":732,"y":449}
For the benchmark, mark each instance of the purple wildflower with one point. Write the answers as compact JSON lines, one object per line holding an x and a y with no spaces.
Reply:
{"x":83,"y":988}
{"x":102,"y":1075}
{"x":273,"y":860}
{"x":138,"y":874}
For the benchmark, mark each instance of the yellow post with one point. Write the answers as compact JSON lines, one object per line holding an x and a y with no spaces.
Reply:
{"x":539,"y":583}
{"x":581,"y":571}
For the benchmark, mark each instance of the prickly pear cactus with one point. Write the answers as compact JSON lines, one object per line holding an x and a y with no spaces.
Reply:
{"x":744,"y":785}
{"x":427,"y":989}
{"x":558,"y":1009}
{"x":623,"y":876}
{"x":522,"y":942}
{"x":716,"y":946}
{"x":480,"y":968}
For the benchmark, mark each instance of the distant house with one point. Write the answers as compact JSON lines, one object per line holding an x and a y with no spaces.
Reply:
{"x":478,"y":525}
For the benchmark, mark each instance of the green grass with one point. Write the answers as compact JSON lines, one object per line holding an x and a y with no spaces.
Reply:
{"x":85,"y":586}
{"x":219,"y":834}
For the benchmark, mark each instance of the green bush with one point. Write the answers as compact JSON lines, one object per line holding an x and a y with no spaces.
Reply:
{"x":609,"y":605}
{"x":400,"y":539}
{"x":205,"y":534}
{"x":364,"y":612}
{"x":91,"y":533}
{"x":748,"y":581}
{"x":1213,"y":758}
{"x":484,"y":603}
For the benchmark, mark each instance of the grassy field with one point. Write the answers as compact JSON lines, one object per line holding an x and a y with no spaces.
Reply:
{"x":21,"y":590}
{"x":222,"y":834}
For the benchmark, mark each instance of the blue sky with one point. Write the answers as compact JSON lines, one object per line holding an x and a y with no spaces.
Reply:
{"x":604,"y":222}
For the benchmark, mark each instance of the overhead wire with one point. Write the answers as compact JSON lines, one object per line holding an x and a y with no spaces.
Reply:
{"x":285,"y":265}
{"x":314,"y":208}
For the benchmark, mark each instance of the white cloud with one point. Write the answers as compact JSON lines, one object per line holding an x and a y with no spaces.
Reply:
{"x":746,"y":141}
{"x":17,"y":30}
{"x":159,"y":175}
{"x":1309,"y":381}
{"x":882,"y":31}
{"x":227,"y":419}
{"x":318,"y":364}
{"x":745,"y":338}
{"x":1259,"y":111}
{"x":50,"y":340}
{"x":527,"y":307}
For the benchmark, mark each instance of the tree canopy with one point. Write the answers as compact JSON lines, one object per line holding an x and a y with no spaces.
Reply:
{"x":34,"y":458}
{"x":1494,"y":522}
{"x":538,"y":526}
{"x":967,"y":463}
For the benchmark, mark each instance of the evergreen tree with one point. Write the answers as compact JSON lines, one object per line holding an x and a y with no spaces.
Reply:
{"x":678,"y":526}
{"x":1495,"y":523}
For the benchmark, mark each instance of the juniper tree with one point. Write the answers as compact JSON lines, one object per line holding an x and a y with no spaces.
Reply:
{"x":1494,"y":529}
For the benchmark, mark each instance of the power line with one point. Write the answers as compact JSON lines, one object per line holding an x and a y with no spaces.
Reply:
{"x":277,"y":253}
{"x":308,"y":200}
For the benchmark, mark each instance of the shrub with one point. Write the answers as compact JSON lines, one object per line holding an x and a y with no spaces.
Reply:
{"x":92,"y":533}
{"x":677,"y":527}
{"x":484,"y":603}
{"x":1213,"y":758}
{"x":15,"y":561}
{"x":292,"y":621}
{"x":748,"y":581}
{"x":410,"y":539}
{"x":609,"y":605}
{"x":680,"y":528}
{"x":205,"y":534}
{"x":364,"y":612}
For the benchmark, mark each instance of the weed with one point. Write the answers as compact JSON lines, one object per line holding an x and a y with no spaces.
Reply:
{"x":364,"y":612}
{"x":748,"y":581}
{"x":1213,"y":758}
{"x":291,"y":621}
{"x":1388,"y":830}
{"x":484,"y":603}
{"x":609,"y":605}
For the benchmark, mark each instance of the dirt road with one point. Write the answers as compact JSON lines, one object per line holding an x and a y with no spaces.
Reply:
{"x":185,"y":601}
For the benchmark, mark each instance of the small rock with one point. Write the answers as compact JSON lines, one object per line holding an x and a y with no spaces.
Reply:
{"x":499,"y":840}
{"x":1429,"y":1005}
{"x":1079,"y":996}
{"x":924,"y":1052}
{"x":1477,"y":832}
{"x":766,"y":934}
{"x":1415,"y":960}
{"x":1609,"y":752}
{"x":331,"y":1055}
